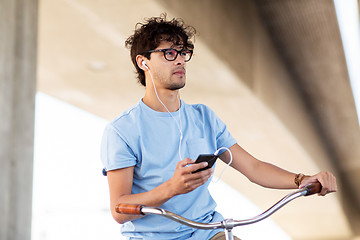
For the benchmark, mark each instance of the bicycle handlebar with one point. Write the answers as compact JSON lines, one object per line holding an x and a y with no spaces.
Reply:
{"x":313,"y":188}
{"x":130,"y":209}
{"x":137,"y":209}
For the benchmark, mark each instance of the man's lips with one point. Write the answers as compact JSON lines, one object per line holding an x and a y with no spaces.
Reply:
{"x":179,"y":72}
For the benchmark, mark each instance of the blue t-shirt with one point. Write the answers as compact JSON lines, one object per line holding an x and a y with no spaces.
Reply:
{"x":149,"y":141}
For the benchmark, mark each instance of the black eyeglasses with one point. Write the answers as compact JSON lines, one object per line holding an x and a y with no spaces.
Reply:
{"x":171,"y":54}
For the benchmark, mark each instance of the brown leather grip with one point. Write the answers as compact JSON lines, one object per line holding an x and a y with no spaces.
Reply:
{"x":313,"y":188}
{"x":130,"y":209}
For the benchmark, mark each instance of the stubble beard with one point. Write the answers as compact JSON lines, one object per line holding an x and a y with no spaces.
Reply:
{"x":176,"y":86}
{"x":172,"y":83}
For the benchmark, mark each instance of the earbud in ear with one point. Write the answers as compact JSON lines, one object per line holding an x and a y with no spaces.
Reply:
{"x":144,"y":64}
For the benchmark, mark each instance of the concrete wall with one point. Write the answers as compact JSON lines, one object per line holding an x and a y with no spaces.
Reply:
{"x":18,"y":35}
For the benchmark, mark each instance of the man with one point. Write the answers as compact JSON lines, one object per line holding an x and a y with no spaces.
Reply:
{"x":149,"y":150}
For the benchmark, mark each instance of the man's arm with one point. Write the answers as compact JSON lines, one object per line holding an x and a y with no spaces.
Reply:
{"x":271,"y":176}
{"x":183,"y":181}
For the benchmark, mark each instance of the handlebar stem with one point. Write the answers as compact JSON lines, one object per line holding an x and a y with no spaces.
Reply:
{"x":229,"y":223}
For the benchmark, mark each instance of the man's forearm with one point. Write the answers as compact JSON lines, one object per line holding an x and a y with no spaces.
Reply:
{"x":259,"y":172}
{"x":271,"y":176}
{"x":153,"y":198}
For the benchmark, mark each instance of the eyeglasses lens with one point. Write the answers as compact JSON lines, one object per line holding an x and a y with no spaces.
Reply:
{"x":171,"y":54}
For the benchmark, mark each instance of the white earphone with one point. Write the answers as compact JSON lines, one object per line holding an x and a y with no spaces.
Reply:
{"x":144,"y":64}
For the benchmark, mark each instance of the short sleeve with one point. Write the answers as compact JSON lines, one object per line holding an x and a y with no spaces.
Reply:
{"x":223,"y":136}
{"x":115,"y":152}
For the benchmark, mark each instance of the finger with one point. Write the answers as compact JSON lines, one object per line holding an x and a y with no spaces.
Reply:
{"x":201,"y":180}
{"x":308,"y":181}
{"x":185,"y":162}
{"x":193,"y":187}
{"x":196,"y":180}
{"x":201,"y":176}
{"x":197,"y":183}
{"x":328,"y":182}
{"x":324,"y":191}
{"x":204,"y":173}
{"x":333,"y":183}
{"x":197,"y":166}
{"x":335,"y":188}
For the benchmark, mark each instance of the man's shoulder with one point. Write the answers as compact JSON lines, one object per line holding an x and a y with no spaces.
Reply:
{"x":201,"y":108}
{"x":198,"y":106}
{"x":129,"y":116}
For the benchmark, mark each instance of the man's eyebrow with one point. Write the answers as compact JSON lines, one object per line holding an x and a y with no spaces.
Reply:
{"x":175,"y":46}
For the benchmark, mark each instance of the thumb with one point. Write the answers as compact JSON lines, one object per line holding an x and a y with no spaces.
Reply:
{"x":308,"y":180}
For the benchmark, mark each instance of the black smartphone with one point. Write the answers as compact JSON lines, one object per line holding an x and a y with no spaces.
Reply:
{"x":209,"y":158}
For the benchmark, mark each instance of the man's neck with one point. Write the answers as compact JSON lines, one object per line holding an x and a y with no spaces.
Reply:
{"x":169,"y":98}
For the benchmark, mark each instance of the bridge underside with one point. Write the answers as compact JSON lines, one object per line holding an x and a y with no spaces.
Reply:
{"x":274,"y":71}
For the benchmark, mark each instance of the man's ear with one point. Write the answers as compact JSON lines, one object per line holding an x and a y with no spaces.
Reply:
{"x":141,"y":62}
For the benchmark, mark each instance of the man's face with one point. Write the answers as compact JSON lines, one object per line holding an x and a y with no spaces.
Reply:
{"x":169,"y":75}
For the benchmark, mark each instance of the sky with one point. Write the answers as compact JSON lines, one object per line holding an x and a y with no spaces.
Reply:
{"x":347,"y":12}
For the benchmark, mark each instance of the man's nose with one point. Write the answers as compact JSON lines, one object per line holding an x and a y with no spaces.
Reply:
{"x":179,"y":61}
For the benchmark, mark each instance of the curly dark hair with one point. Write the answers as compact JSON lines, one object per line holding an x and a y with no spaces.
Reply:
{"x":148,"y":35}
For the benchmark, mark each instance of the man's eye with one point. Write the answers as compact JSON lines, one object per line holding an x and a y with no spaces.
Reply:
{"x":185,"y":53}
{"x":170,"y":53}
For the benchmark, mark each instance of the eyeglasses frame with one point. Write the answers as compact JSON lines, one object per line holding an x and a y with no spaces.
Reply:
{"x":177,"y":53}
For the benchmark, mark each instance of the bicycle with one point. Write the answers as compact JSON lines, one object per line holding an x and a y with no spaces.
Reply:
{"x":227,"y":224}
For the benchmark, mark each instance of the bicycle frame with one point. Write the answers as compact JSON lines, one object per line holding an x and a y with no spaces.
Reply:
{"x":226,"y":224}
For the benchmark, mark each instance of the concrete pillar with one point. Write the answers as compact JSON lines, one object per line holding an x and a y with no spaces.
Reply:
{"x":18,"y":37}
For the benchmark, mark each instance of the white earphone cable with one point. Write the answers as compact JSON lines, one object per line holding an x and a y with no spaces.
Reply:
{"x":222,"y":171}
{"x":177,"y":123}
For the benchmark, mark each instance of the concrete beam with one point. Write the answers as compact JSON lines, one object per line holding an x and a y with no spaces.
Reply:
{"x":18,"y":36}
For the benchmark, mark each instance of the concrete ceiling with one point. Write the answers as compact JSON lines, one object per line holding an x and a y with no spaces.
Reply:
{"x":82,"y":60}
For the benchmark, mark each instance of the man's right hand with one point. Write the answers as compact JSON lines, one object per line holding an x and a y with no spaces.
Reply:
{"x":184,"y":180}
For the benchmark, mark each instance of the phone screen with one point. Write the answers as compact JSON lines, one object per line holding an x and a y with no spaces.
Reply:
{"x":209,"y":158}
